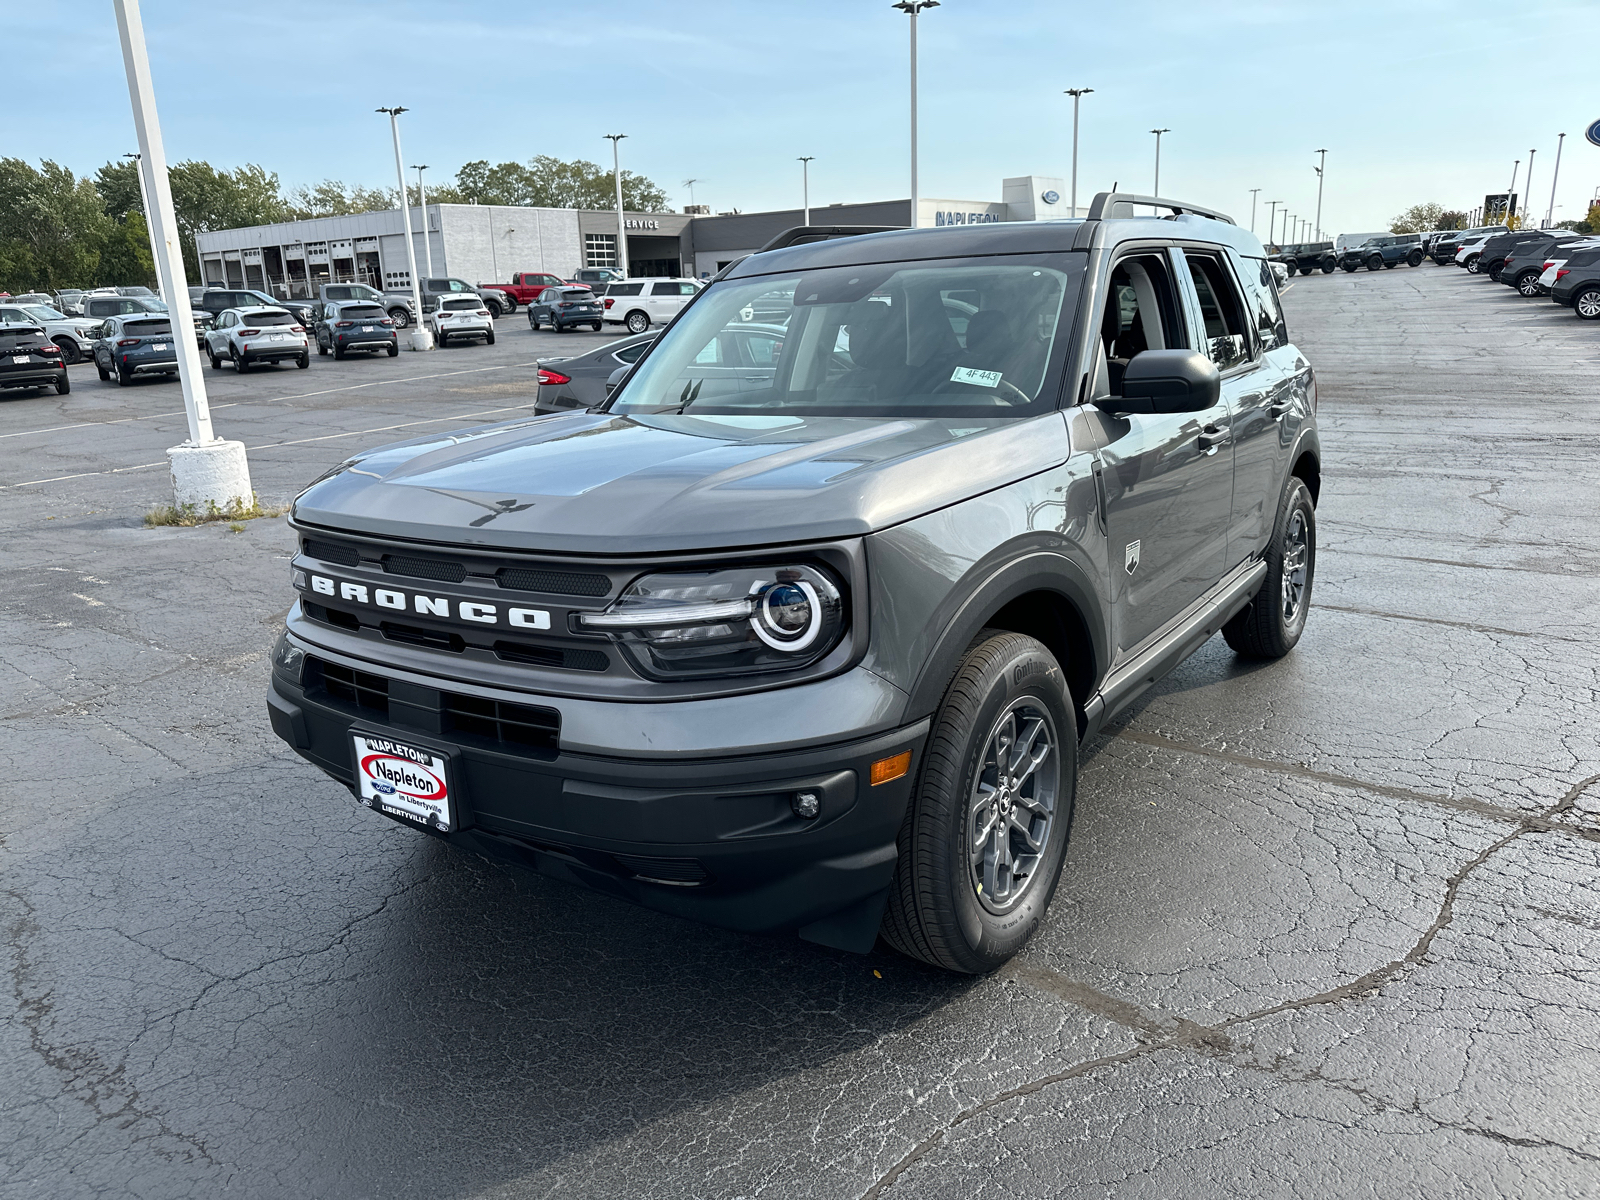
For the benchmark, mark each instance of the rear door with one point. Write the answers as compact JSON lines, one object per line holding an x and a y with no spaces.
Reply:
{"x":1168,"y":477}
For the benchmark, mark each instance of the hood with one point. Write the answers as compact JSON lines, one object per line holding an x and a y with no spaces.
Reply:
{"x":602,"y":484}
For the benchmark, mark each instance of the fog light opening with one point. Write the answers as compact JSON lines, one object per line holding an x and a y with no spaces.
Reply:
{"x":806,"y":805}
{"x":887,"y":770}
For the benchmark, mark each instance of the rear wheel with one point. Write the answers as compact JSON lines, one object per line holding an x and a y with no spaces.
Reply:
{"x":1587,"y":304}
{"x":1292,"y":268}
{"x":1414,"y":259}
{"x":63,"y":384}
{"x":69,"y":349}
{"x":1528,"y":283}
{"x":338,"y":353}
{"x":1388,"y":266}
{"x":1472,"y":266}
{"x":1328,"y":265}
{"x":1276,"y":617}
{"x":595,"y":326}
{"x":985,"y":832}
{"x":638,"y":322}
{"x":488,"y":339}
{"x":124,"y":377}
{"x":394,"y":349}
{"x":240,"y":363}
{"x":1375,"y":262}
{"x":1351,"y":268}
{"x":304,"y":360}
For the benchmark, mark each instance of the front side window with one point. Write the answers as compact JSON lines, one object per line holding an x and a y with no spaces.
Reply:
{"x":1220,"y":310}
{"x":1141,"y":313}
{"x":949,"y":338}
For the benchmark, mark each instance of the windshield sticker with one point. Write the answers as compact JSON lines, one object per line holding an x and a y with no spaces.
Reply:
{"x":987,"y":379}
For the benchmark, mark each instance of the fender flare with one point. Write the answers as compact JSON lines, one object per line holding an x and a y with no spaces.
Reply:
{"x":1036,"y":571}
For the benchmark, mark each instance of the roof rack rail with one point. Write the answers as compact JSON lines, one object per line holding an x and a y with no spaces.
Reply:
{"x":1113,"y":205}
{"x":821,"y":233}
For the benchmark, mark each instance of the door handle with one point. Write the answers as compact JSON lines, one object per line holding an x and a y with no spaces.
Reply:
{"x":1277,"y":408}
{"x":1211,"y":437}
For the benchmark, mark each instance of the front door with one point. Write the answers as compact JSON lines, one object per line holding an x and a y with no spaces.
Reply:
{"x":1167,"y":477}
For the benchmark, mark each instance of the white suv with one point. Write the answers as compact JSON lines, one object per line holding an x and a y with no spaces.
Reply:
{"x":247,"y":337}
{"x":641,"y":303}
{"x":460,"y":317}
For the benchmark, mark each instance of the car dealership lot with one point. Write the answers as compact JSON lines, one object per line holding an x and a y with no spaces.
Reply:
{"x":1325,"y":926}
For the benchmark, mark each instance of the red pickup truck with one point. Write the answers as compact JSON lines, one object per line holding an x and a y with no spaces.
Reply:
{"x":524,"y":286}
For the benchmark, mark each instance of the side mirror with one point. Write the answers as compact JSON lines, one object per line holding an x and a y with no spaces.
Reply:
{"x":1167,"y":381}
{"x":613,"y":379}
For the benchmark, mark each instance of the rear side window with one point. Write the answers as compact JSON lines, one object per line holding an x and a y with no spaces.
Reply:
{"x":1220,"y":310}
{"x":1268,"y":313}
{"x":630,"y":354}
{"x":625,"y":289}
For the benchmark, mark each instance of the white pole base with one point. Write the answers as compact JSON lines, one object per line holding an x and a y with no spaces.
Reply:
{"x":215,"y":473}
{"x":421,"y":338}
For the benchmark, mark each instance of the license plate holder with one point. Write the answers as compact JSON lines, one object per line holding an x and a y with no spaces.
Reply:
{"x":406,"y":780}
{"x":21,"y":360}
{"x":159,"y":346}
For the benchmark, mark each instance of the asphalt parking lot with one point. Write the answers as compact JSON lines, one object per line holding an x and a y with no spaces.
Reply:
{"x":1327,"y":926}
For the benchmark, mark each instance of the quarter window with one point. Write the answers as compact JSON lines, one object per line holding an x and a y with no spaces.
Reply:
{"x":1263,"y":289}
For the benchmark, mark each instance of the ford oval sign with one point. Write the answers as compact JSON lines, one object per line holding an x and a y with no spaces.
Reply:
{"x":1054,"y":197}
{"x":1593,"y":132}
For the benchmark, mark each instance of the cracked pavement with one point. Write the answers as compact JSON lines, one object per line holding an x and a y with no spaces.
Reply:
{"x":1326,"y":929}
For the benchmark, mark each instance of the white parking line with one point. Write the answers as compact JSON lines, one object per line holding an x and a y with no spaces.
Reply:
{"x":270,"y":400}
{"x":270,"y":445}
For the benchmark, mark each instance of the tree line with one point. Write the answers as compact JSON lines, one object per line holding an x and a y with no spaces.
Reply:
{"x":1423,"y":218}
{"x":60,"y":230}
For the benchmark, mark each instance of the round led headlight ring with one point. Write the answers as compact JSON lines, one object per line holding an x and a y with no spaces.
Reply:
{"x":788,"y":614}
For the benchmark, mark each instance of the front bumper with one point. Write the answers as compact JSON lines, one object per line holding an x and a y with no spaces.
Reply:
{"x":712,"y":837}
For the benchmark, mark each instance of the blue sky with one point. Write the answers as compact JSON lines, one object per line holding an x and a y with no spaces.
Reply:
{"x":1415,"y":99}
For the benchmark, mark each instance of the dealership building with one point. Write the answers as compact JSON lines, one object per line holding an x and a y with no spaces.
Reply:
{"x":487,"y":243}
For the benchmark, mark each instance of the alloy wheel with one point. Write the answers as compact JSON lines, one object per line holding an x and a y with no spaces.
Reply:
{"x":1296,"y":556}
{"x":1528,"y":285}
{"x":1012,"y":808}
{"x":1588,"y":305}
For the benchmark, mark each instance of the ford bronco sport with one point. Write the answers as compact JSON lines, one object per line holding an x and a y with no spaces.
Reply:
{"x":811,"y":644}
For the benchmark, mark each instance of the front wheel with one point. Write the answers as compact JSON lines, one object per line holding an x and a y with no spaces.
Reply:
{"x":1374,"y":263}
{"x":1350,"y":268}
{"x":1328,"y":266}
{"x":401,"y":317}
{"x":1271,"y":624}
{"x":1587,"y":304}
{"x":1415,"y":259}
{"x":638,"y":322}
{"x":70,"y":353}
{"x":985,"y":833}
{"x":1292,"y":268}
{"x":105,"y":375}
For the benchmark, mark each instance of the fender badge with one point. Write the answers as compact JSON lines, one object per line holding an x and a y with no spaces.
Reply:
{"x":1130,"y":556}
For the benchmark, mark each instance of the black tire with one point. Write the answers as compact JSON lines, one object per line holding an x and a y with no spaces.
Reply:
{"x":63,"y":384}
{"x":401,"y":317}
{"x":1352,"y":268}
{"x":1414,"y":259}
{"x":69,"y":349}
{"x":556,"y":326}
{"x":304,"y":360}
{"x":1389,"y":266}
{"x":1375,"y":262}
{"x":1528,"y":283}
{"x":1329,"y":265}
{"x":595,"y":326}
{"x":216,"y":363}
{"x":936,"y":911}
{"x":124,"y":377}
{"x":321,"y":349}
{"x":637,"y":321}
{"x":1586,"y":303}
{"x":105,"y":375}
{"x":338,"y":353}
{"x":1267,"y":628}
{"x":1293,"y":269}
{"x":241,"y":363}
{"x":394,"y":349}
{"x":489,"y":338}
{"x":533,"y":325}
{"x":493,"y":306}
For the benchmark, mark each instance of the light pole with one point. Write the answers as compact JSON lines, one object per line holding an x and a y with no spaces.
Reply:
{"x":205,"y":469}
{"x":1321,"y":166}
{"x":1287,"y":217}
{"x":1527,"y":185}
{"x":1077,"y":94}
{"x":911,"y":8}
{"x":805,"y":187}
{"x":1253,"y":197}
{"x":422,"y":197}
{"x":144,"y":203}
{"x":1514,"y":166}
{"x":1272,"y":218}
{"x":622,"y":234}
{"x":421,"y":339}
{"x":1550,"y":214}
{"x":1158,"y":133}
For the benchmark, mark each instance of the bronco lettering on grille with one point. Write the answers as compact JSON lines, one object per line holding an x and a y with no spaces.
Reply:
{"x":473,"y":611}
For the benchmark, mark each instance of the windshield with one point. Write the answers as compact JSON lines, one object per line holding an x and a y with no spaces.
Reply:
{"x":43,"y":312}
{"x":944,"y":338}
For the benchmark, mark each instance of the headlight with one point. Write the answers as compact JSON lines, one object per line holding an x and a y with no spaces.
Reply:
{"x":735,"y":621}
{"x":287,"y":658}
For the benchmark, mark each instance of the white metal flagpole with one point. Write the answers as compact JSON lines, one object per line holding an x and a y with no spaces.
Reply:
{"x":205,"y":468}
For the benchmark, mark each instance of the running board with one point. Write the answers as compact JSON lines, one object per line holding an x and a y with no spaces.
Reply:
{"x":1185,"y":634}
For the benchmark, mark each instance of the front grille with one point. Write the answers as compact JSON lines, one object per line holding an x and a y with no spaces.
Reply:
{"x":413,"y":635}
{"x":424,"y":568}
{"x":369,"y":692}
{"x":558,"y":583}
{"x":334,"y":552}
{"x":665,"y":870}
{"x":552,"y":656}
{"x":521,"y":725}
{"x":331,"y":616}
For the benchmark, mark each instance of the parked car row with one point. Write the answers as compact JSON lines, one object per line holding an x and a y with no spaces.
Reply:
{"x":1558,"y":263}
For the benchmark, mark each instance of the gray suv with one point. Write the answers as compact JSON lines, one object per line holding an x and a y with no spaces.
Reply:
{"x":812,"y":645}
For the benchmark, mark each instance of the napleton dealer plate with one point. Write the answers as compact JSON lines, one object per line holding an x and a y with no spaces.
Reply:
{"x":405,"y":780}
